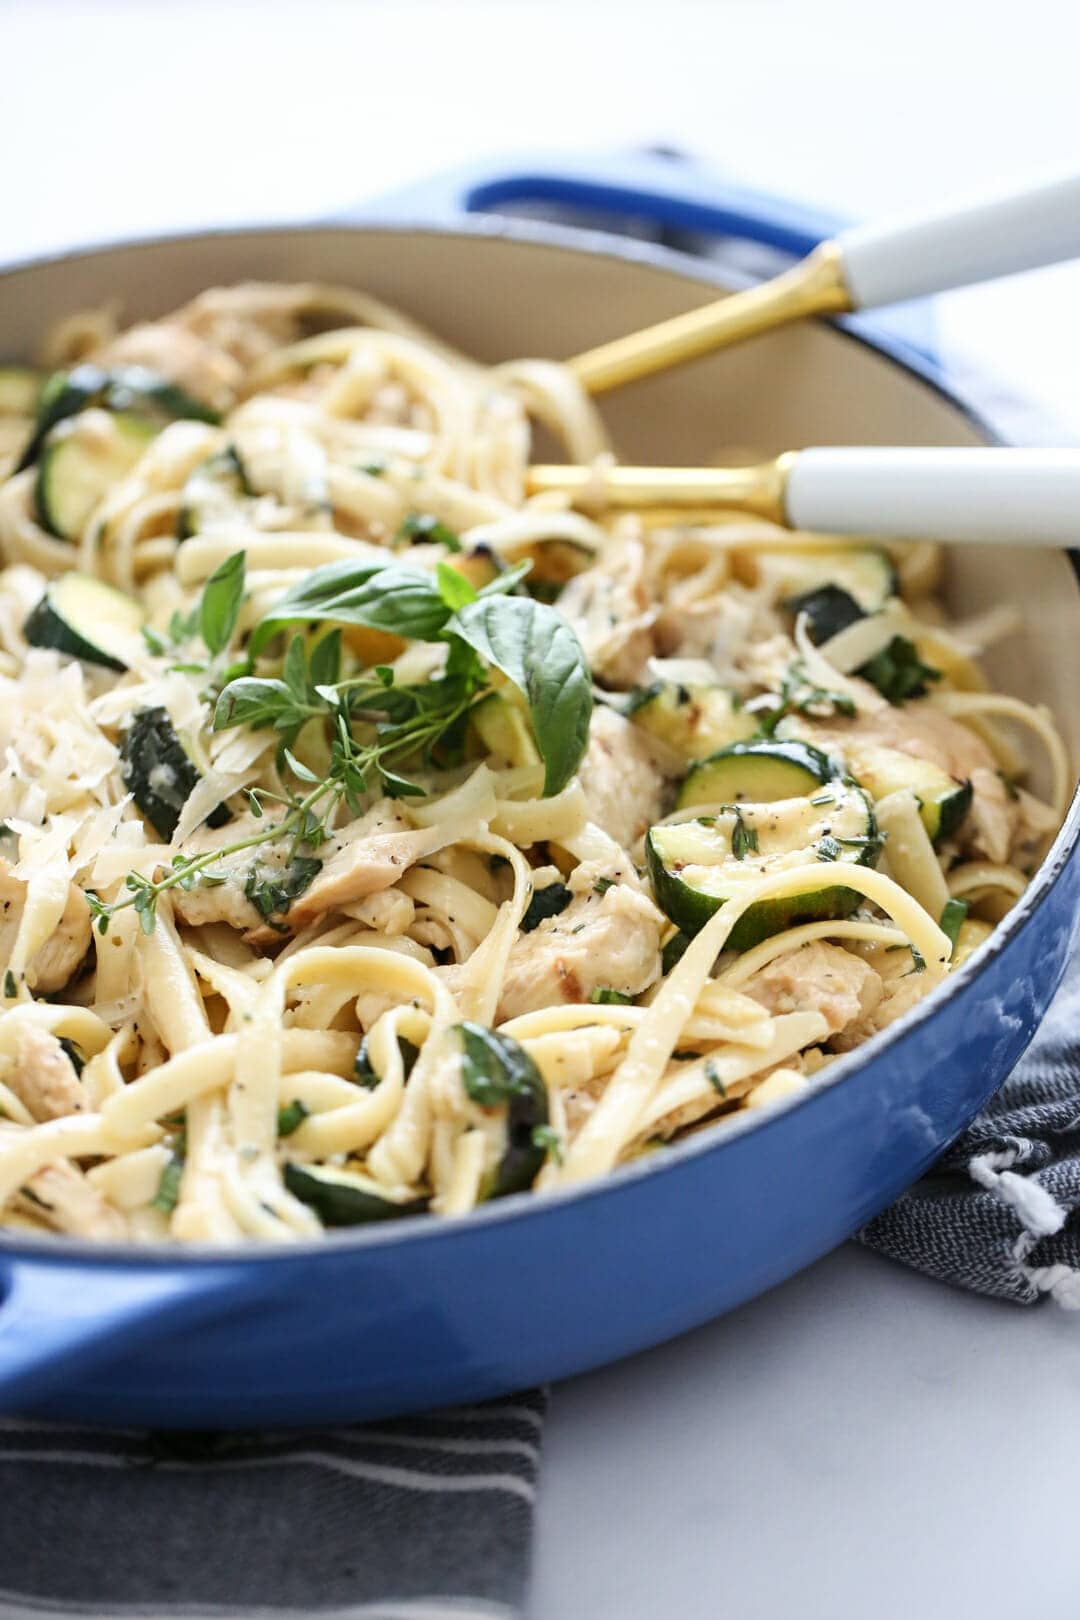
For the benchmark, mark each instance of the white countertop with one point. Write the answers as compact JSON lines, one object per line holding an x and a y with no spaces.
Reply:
{"x":861,"y":1442}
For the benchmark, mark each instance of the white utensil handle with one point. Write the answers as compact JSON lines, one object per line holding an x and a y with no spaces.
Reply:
{"x":959,"y":246}
{"x":1004,"y":497}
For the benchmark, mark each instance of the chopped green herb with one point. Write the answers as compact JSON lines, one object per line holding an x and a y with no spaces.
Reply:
{"x":546,"y":902}
{"x":918,"y":961}
{"x":605,"y":996}
{"x":898,"y":672}
{"x":547,"y":1138}
{"x":272,"y":890}
{"x":828,"y":848}
{"x":11,"y":989}
{"x":712,"y":1075}
{"x":374,"y":469}
{"x":291,"y":1117}
{"x":744,"y":839}
{"x":603,"y":884}
{"x":951,"y":919}
{"x":366,"y":1075}
{"x":823,"y":798}
{"x":422,"y":527}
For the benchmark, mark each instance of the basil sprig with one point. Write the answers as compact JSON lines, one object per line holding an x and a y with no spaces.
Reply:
{"x":526,"y":641}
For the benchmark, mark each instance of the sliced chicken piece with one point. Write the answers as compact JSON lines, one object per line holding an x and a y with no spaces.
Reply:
{"x":610,"y":940}
{"x":62,"y":1198}
{"x":925,"y":732}
{"x":609,"y":608}
{"x":43,"y":1076}
{"x":63,"y":953}
{"x":621,"y":777}
{"x":819,"y":977}
{"x":363,"y":859}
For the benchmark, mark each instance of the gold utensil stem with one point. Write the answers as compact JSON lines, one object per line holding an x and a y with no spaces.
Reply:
{"x":760,"y":490}
{"x":814,"y":286}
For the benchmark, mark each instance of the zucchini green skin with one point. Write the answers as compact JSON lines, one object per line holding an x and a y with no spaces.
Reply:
{"x":944,"y":800}
{"x":829,"y":609}
{"x":73,"y":475}
{"x":158,"y":772}
{"x":124,"y":388}
{"x":343,"y":1198}
{"x":53,"y":624}
{"x":690,"y":907}
{"x":757,"y":772}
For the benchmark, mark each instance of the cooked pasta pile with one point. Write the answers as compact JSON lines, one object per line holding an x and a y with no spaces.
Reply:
{"x":375,"y":840}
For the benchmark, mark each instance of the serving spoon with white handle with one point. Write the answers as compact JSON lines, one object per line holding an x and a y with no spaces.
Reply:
{"x":862,"y":268}
{"x":992,"y":496}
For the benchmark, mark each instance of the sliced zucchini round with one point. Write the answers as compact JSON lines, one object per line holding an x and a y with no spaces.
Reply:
{"x":158,"y":771}
{"x":86,"y":619}
{"x":79,"y":464}
{"x":126,"y":389}
{"x":20,"y":388}
{"x":695,"y":866}
{"x":944,"y":800}
{"x":345,"y":1197}
{"x":693,"y":720}
{"x":212,"y":492}
{"x":502,"y":727}
{"x":759,"y":772}
{"x":828,"y":609}
{"x":865,"y":573}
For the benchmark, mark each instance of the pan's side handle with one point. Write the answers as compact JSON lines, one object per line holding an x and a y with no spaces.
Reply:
{"x":56,"y":1315}
{"x":660,"y":189}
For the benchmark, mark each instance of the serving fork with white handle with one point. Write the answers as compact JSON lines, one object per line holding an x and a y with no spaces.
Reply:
{"x":989,"y":496}
{"x":864,"y":267}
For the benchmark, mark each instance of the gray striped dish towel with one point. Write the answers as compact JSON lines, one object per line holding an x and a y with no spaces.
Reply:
{"x":430,"y":1518}
{"x":426,"y":1518}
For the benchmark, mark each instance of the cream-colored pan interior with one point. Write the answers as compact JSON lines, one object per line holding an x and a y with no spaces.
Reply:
{"x":495,"y":295}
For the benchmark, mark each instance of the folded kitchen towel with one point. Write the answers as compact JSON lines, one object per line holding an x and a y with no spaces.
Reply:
{"x":1000,"y":1214}
{"x":426,"y":1518}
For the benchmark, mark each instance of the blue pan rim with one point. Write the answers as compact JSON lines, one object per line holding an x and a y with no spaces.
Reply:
{"x":593,"y":243}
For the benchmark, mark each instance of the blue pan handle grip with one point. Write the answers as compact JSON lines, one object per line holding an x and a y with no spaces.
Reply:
{"x":54,"y":1314}
{"x":673,"y":192}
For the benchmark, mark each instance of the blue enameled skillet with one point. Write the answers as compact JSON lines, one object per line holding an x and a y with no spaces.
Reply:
{"x":425,"y":1312}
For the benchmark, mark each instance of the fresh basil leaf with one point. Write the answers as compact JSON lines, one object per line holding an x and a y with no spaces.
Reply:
{"x":898,"y":672}
{"x":454,"y":588}
{"x":403,"y":601}
{"x":251,"y":702}
{"x":497,"y":1072}
{"x":547,"y":902}
{"x":295,"y":671}
{"x":506,"y":582}
{"x":537,"y":650}
{"x":219,"y":607}
{"x":325,"y":661}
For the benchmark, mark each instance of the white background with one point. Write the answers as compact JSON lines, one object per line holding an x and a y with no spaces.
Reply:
{"x":862,"y":1444}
